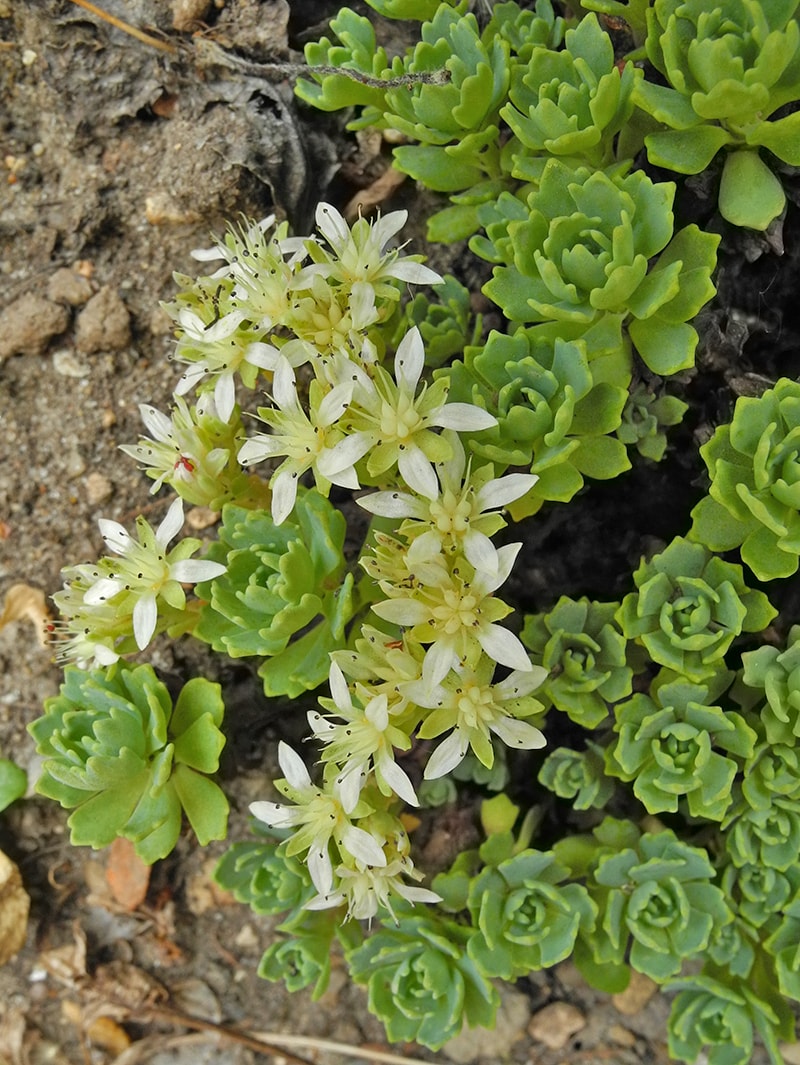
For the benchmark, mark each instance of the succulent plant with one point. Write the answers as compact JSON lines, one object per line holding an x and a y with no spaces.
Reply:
{"x":261,"y":876}
{"x":526,"y":917}
{"x":644,"y":418}
{"x":578,"y":775}
{"x":580,"y":645}
{"x":754,"y":498}
{"x":689,"y":607}
{"x":552,"y":414}
{"x":127,"y":762}
{"x":279,"y":580}
{"x":729,"y":69}
{"x":578,"y":249}
{"x":670,"y":742}
{"x":569,"y":103}
{"x":421,"y":982}
{"x":723,"y":1017}
{"x":771,"y":679}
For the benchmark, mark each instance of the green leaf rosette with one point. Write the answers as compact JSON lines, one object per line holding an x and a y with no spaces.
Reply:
{"x":261,"y":876}
{"x":770,"y":683}
{"x":555,"y":408}
{"x":117,"y":753}
{"x":689,"y":607}
{"x":526,"y":916}
{"x":669,"y":745}
{"x":280,"y":580}
{"x":658,"y":900}
{"x":643,"y":421}
{"x":580,"y":645}
{"x":579,"y":249}
{"x":729,"y":68}
{"x":723,"y":1017}
{"x":422,"y":984}
{"x":578,"y":776}
{"x":569,"y":103}
{"x":754,"y":498}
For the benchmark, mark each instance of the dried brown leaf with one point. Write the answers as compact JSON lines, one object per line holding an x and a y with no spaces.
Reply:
{"x":14,"y":907}
{"x":366,"y":200}
{"x":127,"y":875}
{"x":23,"y":602}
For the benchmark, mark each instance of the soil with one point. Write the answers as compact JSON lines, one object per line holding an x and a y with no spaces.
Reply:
{"x":119,"y":159}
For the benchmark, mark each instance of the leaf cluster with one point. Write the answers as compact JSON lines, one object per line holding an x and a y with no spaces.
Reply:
{"x":127,"y":762}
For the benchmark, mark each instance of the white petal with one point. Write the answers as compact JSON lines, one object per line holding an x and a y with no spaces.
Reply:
{"x":361,"y":305}
{"x":417,"y":472}
{"x":439,"y":659}
{"x":350,"y":784}
{"x":116,"y":536}
{"x":284,"y":494}
{"x":402,"y":611}
{"x":416,"y":894}
{"x":320,"y":726}
{"x":145,"y":615}
{"x":504,"y":647}
{"x":225,"y":396}
{"x":101,"y":590}
{"x":284,"y":386}
{"x":258,"y":448}
{"x":481,"y":552}
{"x":190,"y":377}
{"x":332,"y":225}
{"x":392,"y":505}
{"x":518,"y":734}
{"x":447,"y":756}
{"x":157,"y":424}
{"x":347,"y":478}
{"x":424,"y":549}
{"x":343,"y":454}
{"x":207,"y":255}
{"x":517,"y":684}
{"x":194,"y":570}
{"x":340,"y":693}
{"x":172,"y":523}
{"x":409,"y":360}
{"x":334,"y":405}
{"x":465,"y":417}
{"x":274,"y":814}
{"x":413,"y":273}
{"x":451,"y":472}
{"x":503,"y":490}
{"x":326,"y":902}
{"x":293,"y":767}
{"x":263,"y":355}
{"x":103,"y":655}
{"x":320,"y":869}
{"x":397,"y":780}
{"x":387,"y":226}
{"x":363,"y":846}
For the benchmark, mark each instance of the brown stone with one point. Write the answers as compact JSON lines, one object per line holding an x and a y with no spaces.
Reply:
{"x":29,"y":324}
{"x":556,"y":1024}
{"x":104,"y":323}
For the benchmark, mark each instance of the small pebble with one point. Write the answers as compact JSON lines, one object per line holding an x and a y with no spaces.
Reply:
{"x":29,"y":324}
{"x":65,"y":364}
{"x":98,"y":488}
{"x":636,"y":995}
{"x":66,"y":286}
{"x":104,"y":323}
{"x":202,"y":518}
{"x":188,"y":14}
{"x":621,"y":1036}
{"x":161,"y":210}
{"x":556,"y":1024}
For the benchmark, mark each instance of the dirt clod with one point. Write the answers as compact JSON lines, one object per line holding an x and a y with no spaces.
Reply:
{"x":556,"y":1024}
{"x":103,"y":324}
{"x":68,"y":286}
{"x":29,"y":324}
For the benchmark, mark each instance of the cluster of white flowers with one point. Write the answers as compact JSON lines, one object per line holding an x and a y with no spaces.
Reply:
{"x":305,"y":312}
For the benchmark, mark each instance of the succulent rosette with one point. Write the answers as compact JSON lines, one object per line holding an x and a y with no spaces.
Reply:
{"x":553,"y":415}
{"x":127,"y":762}
{"x":689,"y":607}
{"x":764,"y":836}
{"x":421,"y":982}
{"x":261,"y":876}
{"x":723,"y":1017}
{"x":580,"y":645}
{"x":280,"y":579}
{"x":526,"y":916}
{"x":578,"y":775}
{"x":644,"y":418}
{"x":658,"y":898}
{"x":669,"y":744}
{"x":729,"y":68}
{"x":571,"y":102}
{"x":771,"y":681}
{"x":754,"y":498}
{"x":578,"y":249}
